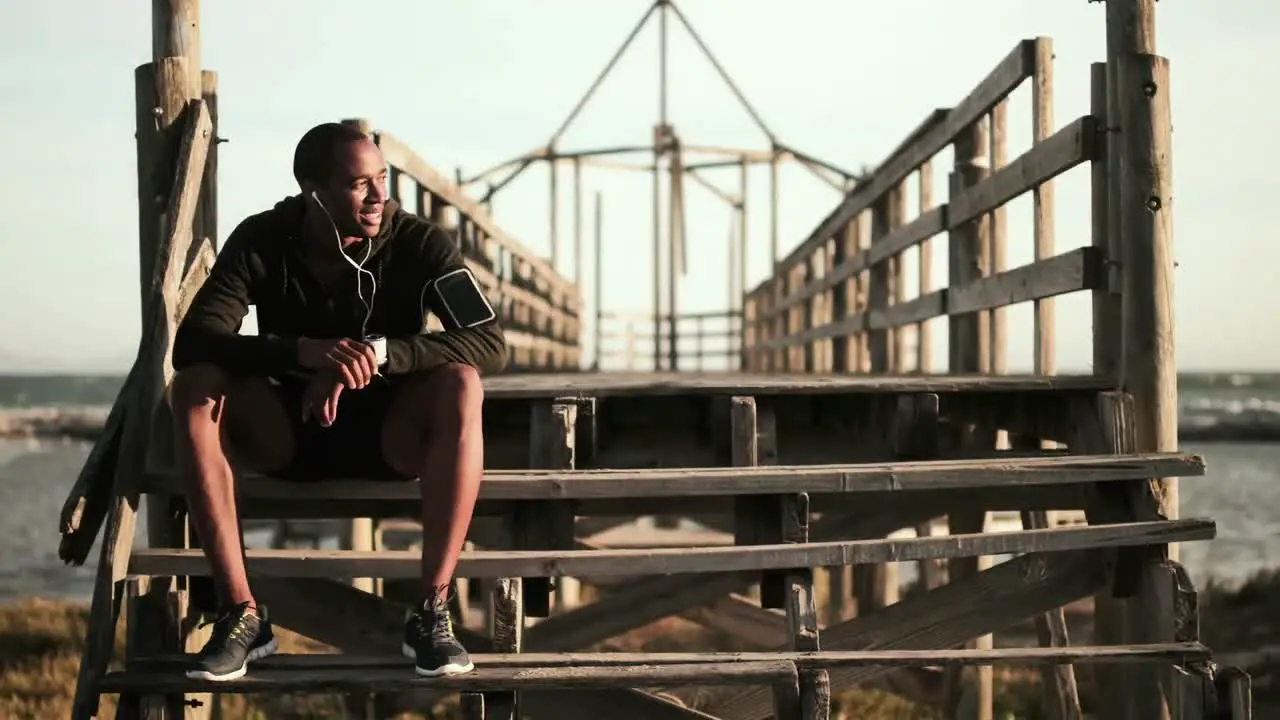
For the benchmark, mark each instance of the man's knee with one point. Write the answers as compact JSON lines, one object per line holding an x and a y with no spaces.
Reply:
{"x":451,"y":393}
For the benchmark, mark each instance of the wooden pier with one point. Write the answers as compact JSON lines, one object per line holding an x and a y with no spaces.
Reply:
{"x":803,"y":464}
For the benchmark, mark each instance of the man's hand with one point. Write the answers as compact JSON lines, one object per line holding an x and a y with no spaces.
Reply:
{"x":320,"y":400}
{"x":354,"y":362}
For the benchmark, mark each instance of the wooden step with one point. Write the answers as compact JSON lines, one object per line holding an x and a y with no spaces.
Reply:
{"x":720,"y":481}
{"x":1173,"y":653}
{"x":305,"y":562}
{"x":615,"y":384}
{"x":263,"y":678}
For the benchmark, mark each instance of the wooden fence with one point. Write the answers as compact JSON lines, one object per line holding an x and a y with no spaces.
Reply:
{"x":838,"y":302}
{"x":538,"y":307}
{"x":703,"y":341}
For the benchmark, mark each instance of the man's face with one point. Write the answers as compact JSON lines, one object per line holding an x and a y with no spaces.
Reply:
{"x":357,"y":192}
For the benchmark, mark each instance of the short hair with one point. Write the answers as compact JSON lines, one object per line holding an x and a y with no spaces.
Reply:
{"x":314,"y":157}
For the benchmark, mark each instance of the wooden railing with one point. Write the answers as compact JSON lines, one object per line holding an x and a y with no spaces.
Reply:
{"x":704,"y":341}
{"x":538,"y":307}
{"x":838,"y":302}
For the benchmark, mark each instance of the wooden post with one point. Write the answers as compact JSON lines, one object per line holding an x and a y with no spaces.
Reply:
{"x":924,"y":338}
{"x":675,"y":207}
{"x":1042,"y":197}
{"x":897,"y":283}
{"x":997,"y":239}
{"x":801,"y":315}
{"x":1106,"y":300}
{"x":577,"y":221}
{"x":969,"y":350}
{"x":659,"y":147}
{"x":743,"y":175}
{"x":733,"y":294}
{"x":554,"y":167}
{"x":1148,"y":364}
{"x":175,"y":33}
{"x":1236,"y":693}
{"x":773,"y":210}
{"x":1146,"y":229}
{"x":841,"y":296}
{"x":1140,"y":210}
{"x":802,"y":613}
{"x":547,"y":525}
{"x":597,"y":282}
{"x":166,"y":90}
{"x":207,"y":213}
{"x":861,"y":342}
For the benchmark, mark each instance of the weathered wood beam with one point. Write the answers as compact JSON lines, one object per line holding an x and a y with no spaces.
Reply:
{"x":658,"y":561}
{"x":949,"y":615}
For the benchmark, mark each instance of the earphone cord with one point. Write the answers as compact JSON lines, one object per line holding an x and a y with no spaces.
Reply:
{"x":368,"y":249}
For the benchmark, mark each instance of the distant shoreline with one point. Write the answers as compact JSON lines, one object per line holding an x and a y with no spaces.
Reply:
{"x":80,"y":423}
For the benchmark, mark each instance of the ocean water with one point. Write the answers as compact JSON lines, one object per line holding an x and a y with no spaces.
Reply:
{"x":1233,"y":421}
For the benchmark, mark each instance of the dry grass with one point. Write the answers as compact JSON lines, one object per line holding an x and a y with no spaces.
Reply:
{"x":41,"y":642}
{"x":40,"y":646}
{"x":1243,"y":618}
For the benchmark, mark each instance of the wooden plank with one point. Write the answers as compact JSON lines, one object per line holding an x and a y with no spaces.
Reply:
{"x":1062,"y":695}
{"x":374,"y":624}
{"x":743,"y":619}
{"x":627,"y":609}
{"x":482,"y":679}
{"x":947,"y":616}
{"x":1174,"y":653}
{"x":619,"y":704}
{"x":1079,"y":269}
{"x":894,"y":243}
{"x":649,"y":599}
{"x":911,"y":312}
{"x":996,"y":499}
{"x":618,"y":384}
{"x":925,"y":475}
{"x":298,"y":562}
{"x":1071,"y":146}
{"x":1008,"y":74}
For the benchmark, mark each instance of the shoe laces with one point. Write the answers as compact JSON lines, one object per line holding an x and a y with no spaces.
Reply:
{"x":433,"y":619}
{"x":231,"y":625}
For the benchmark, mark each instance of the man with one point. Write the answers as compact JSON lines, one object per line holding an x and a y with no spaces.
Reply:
{"x":307,"y":398}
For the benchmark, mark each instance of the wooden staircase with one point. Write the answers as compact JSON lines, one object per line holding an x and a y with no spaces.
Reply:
{"x":808,"y":472}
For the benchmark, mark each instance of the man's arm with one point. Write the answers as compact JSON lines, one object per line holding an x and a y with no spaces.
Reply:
{"x":483,"y":347}
{"x":210,"y":331}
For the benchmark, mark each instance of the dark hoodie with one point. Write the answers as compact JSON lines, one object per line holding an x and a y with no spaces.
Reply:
{"x":262,"y":264}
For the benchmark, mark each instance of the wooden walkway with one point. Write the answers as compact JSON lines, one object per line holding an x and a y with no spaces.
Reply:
{"x":809,"y":465}
{"x":787,"y":520}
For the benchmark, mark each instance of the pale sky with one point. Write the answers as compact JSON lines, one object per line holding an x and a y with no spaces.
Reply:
{"x":474,"y":83}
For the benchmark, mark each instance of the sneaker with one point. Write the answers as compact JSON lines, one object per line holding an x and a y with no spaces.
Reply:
{"x":238,"y":637}
{"x":429,"y":639}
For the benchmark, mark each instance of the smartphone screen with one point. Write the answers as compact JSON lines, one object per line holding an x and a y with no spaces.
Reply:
{"x":463,"y":299}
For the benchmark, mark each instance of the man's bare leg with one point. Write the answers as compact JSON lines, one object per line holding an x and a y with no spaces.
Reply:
{"x":210,"y":413}
{"x":433,"y":429}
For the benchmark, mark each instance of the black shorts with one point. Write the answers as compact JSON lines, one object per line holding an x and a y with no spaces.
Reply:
{"x":350,"y":448}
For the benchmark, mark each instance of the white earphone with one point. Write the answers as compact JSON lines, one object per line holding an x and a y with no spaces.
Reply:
{"x":360,"y":269}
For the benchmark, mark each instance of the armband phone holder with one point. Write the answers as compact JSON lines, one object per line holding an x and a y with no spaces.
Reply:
{"x":460,"y":300}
